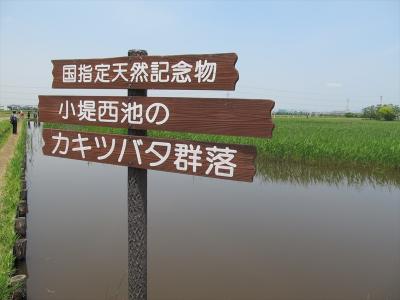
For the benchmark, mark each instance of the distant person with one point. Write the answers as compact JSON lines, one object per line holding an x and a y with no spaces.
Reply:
{"x":35,"y":122}
{"x":29,"y":114}
{"x":14,"y":121}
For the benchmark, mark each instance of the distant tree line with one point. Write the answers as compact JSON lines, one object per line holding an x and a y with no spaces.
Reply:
{"x":307,"y":113}
{"x":282,"y":112}
{"x":387,"y":112}
{"x":21,"y":107}
{"x":352,"y":115}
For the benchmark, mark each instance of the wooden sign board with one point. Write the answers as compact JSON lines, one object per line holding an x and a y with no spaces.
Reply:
{"x":177,"y":72}
{"x":234,"y":162}
{"x":239,"y":117}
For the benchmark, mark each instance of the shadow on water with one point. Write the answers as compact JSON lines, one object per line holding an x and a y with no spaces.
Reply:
{"x":296,"y":232}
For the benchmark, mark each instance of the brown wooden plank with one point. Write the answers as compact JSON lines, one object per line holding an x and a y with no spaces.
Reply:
{"x":219,"y":72}
{"x":243,"y":158}
{"x":240,"y":117}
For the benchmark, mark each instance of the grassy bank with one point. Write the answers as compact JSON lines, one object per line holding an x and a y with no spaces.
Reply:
{"x":5,"y":130}
{"x":9,"y":199}
{"x":329,"y":140}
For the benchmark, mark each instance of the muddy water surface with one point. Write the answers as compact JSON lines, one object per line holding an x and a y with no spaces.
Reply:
{"x":294,"y":233}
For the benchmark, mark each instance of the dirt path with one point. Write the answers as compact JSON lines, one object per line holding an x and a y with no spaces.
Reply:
{"x":7,"y":151}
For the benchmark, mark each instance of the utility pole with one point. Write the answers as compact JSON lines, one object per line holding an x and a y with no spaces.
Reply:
{"x":381,"y":101}
{"x":347,"y":104}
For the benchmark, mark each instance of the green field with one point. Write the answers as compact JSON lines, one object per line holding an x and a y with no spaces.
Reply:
{"x":9,"y":199}
{"x":329,"y":140}
{"x":5,"y":114}
{"x":339,"y":140}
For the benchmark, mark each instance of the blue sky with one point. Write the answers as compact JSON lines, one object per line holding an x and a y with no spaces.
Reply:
{"x":311,"y":55}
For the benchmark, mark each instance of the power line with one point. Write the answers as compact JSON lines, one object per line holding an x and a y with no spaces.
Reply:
{"x":18,"y":93}
{"x":327,"y":94}
{"x":240,"y":85}
{"x":25,"y":86}
{"x":301,"y":99}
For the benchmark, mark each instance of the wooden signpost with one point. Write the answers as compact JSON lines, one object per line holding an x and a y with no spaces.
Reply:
{"x":239,"y":117}
{"x":176,"y":72}
{"x":216,"y":160}
{"x":137,"y":215}
{"x":138,"y":113}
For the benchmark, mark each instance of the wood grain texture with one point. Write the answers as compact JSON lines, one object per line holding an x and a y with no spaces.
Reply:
{"x":137,"y":217}
{"x":239,"y":117}
{"x":226,"y":74}
{"x":244,"y":158}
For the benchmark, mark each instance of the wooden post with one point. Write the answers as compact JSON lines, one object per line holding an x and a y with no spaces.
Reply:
{"x":137,"y":217}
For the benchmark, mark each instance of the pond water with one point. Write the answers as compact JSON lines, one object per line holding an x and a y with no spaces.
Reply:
{"x":296,"y":232}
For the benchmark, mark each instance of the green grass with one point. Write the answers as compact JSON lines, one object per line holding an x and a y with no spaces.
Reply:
{"x":311,"y":140}
{"x":338,"y":140}
{"x":87,"y":128}
{"x":5,"y":130}
{"x":4,"y":113}
{"x":9,"y":199}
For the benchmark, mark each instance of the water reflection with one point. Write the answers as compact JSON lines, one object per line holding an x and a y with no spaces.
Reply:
{"x":294,"y":233}
{"x":76,"y":227}
{"x":271,"y":171}
{"x":33,"y":142}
